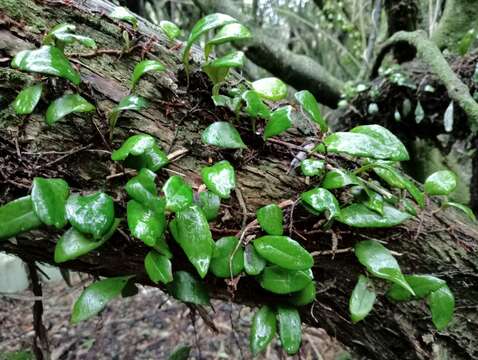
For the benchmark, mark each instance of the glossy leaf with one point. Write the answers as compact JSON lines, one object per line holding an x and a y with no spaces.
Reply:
{"x":96,"y":296}
{"x":311,"y":107}
{"x":158,"y":268}
{"x":210,"y":204}
{"x":18,"y":216}
{"x":442,"y":306}
{"x":304,"y":296}
{"x":283,"y":251}
{"x":255,"y":107}
{"x":463,"y":208}
{"x":339,"y":178}
{"x":178,"y":193}
{"x":228,"y":33}
{"x":63,"y":34}
{"x":130,"y":102}
{"x":362,"y":299}
{"x":122,"y":13}
{"x":194,"y":237}
{"x":221,"y":263}
{"x":144,"y":223}
{"x":290,"y":328}
{"x":60,"y":28}
{"x":231,"y":60}
{"x":67,"y":104}
{"x":253,"y":262}
{"x":321,"y":200}
{"x":372,"y":141}
{"x":263,"y":329}
{"x":358,"y":215}
{"x":222,"y":134}
{"x":270,"y":219}
{"x":49,"y":199}
{"x":74,"y":244}
{"x":46,"y":60}
{"x":162,"y":247}
{"x":282,"y":281}
{"x":423,"y":285}
{"x":205,"y":24}
{"x":27,"y":99}
{"x":270,"y":88}
{"x":374,"y":202}
{"x":171,"y":30}
{"x":91,"y":214}
{"x":144,"y":67}
{"x":280,"y":121}
{"x":142,"y":188}
{"x":380,"y":262}
{"x":442,"y":182}
{"x":187,"y":288}
{"x":219,"y":178}
{"x":312,"y":167}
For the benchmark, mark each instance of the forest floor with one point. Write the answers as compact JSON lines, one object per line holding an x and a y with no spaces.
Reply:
{"x":149,"y":325}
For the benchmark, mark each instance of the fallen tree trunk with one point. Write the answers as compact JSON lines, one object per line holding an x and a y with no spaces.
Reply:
{"x":441,"y":243}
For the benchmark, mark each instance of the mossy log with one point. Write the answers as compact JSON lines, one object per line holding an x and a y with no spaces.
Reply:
{"x":78,"y":150}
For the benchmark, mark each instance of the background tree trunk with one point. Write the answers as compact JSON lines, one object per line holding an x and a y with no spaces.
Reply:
{"x":76,"y":149}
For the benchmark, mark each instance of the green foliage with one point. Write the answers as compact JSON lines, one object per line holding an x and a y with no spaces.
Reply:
{"x":312,"y":167}
{"x":46,"y":60}
{"x":17,"y":216}
{"x":280,"y":121}
{"x":290,"y":330}
{"x":320,"y":200}
{"x":359,"y":215}
{"x":422,"y":285}
{"x":253,"y":262}
{"x":178,"y":193}
{"x":270,"y":219}
{"x":67,"y":104}
{"x":142,"y":188}
{"x":171,"y":30}
{"x":339,"y":178}
{"x":63,"y":34}
{"x":122,"y":13}
{"x":255,"y":107}
{"x":219,"y":178}
{"x":362,"y":299}
{"x":223,"y":135}
{"x":442,"y":182}
{"x":311,"y":107}
{"x":218,"y":69}
{"x":463,"y":208}
{"x":282,"y":281}
{"x":228,"y":33}
{"x":49,"y":199}
{"x":209,"y":203}
{"x":27,"y":99}
{"x":140,"y":70}
{"x":304,"y":296}
{"x":180,"y":353}
{"x":187,"y":288}
{"x":158,"y":267}
{"x":263,"y":329}
{"x":145,"y":223}
{"x":228,"y":257}
{"x":283,"y":251}
{"x":130,"y":102}
{"x":270,"y":88}
{"x":442,"y":307}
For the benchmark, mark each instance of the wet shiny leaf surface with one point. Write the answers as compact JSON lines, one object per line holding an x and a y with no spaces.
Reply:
{"x":171,"y":30}
{"x":27,"y":99}
{"x":283,"y":251}
{"x":321,"y":200}
{"x":290,"y":328}
{"x":18,"y":216}
{"x":221,"y":264}
{"x":362,"y":299}
{"x":220,"y":178}
{"x":178,"y":193}
{"x":442,"y":182}
{"x":263,"y":329}
{"x":312,"y":167}
{"x":187,"y":288}
{"x":304,"y":296}
{"x":144,"y":223}
{"x":49,"y":199}
{"x":222,"y":134}
{"x":158,"y":268}
{"x":122,"y":13}
{"x":270,"y":88}
{"x":144,"y":67}
{"x":67,"y":104}
{"x":282,"y":281}
{"x":423,"y":285}
{"x":255,"y":107}
{"x":280,"y":121}
{"x":442,"y":307}
{"x":311,"y":107}
{"x":270,"y":219}
{"x":358,"y":215}
{"x":210,"y":204}
{"x":253,"y":262}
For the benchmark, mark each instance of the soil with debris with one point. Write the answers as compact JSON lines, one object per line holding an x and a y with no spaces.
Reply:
{"x":149,"y":325}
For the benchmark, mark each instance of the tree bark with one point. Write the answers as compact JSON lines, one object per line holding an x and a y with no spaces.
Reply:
{"x":76,"y":149}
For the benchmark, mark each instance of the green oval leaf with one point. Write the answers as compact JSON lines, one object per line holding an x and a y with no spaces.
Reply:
{"x":339,"y":178}
{"x":158,"y":267}
{"x":122,"y":13}
{"x":362,"y":299}
{"x":270,"y":88}
{"x":463,"y":208}
{"x":442,"y":306}
{"x":221,"y":263}
{"x":290,"y":328}
{"x":62,"y":34}
{"x":146,"y":224}
{"x":46,"y":60}
{"x":210,"y":204}
{"x":162,"y":247}
{"x":228,"y":33}
{"x":178,"y":193}
{"x":219,"y":178}
{"x":263,"y":329}
{"x":423,"y":285}
{"x":270,"y":219}
{"x":187,"y":288}
{"x":280,"y":121}
{"x":442,"y":182}
{"x":373,"y":141}
{"x":180,"y":353}
{"x":74,"y":244}
{"x":144,"y":67}
{"x":171,"y":30}
{"x":130,"y":102}
{"x":67,"y":104}
{"x":142,"y":188}
{"x":358,"y":215}
{"x":253,"y":262}
{"x":380,"y":262}
{"x":282,"y":281}
{"x":27,"y":99}
{"x":18,"y":216}
{"x":304,"y":296}
{"x":194,"y":237}
{"x":255,"y":107}
{"x":95,"y":297}
{"x":218,"y":69}
{"x":310,"y":105}
{"x":205,"y":24}
{"x":49,"y":199}
{"x":283,"y":251}
{"x":321,"y":200}
{"x":60,"y":28}
{"x":312,"y":167}
{"x":91,"y":214}
{"x":222,"y":134}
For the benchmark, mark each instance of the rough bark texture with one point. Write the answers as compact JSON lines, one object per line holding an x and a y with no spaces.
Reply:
{"x":441,"y":243}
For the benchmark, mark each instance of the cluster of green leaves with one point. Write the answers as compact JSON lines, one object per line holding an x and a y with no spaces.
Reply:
{"x":51,"y":60}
